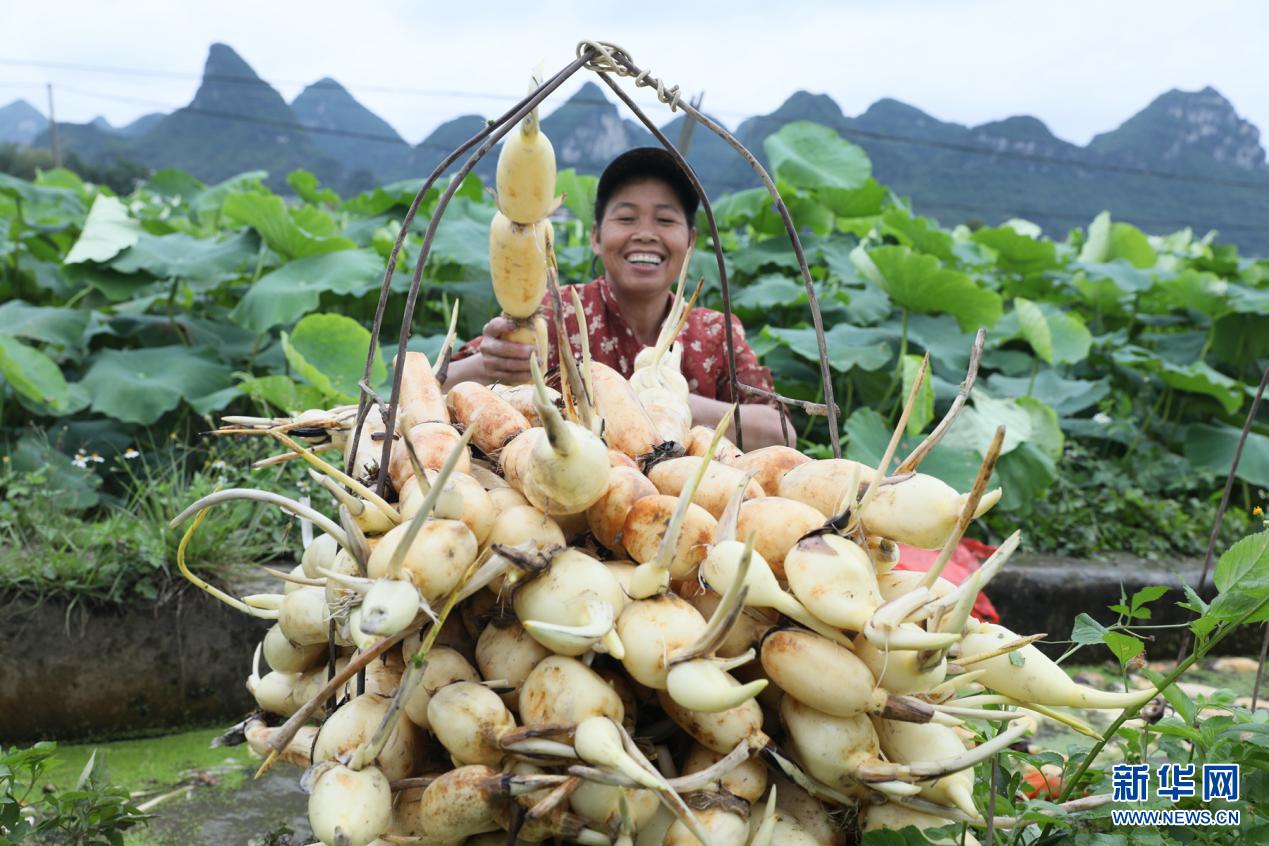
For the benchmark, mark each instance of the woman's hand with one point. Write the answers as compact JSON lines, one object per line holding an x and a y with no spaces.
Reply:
{"x":498,"y":360}
{"x":505,"y":361}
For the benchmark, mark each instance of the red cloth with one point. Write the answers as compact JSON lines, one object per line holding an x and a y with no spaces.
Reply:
{"x":613,"y":342}
{"x":966,"y":558}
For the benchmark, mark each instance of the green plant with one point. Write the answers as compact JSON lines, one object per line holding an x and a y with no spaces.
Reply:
{"x":280,"y":835}
{"x":1154,"y":504}
{"x":1110,"y":353}
{"x":1194,"y":728}
{"x":67,"y":535}
{"x":94,"y":812}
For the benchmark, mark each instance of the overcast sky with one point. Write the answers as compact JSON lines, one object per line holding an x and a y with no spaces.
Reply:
{"x":1081,"y":66}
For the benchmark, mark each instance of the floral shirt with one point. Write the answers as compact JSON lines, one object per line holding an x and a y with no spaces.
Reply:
{"x":614,"y":343}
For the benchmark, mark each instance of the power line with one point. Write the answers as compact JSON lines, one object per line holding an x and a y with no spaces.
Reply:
{"x":280,"y":124}
{"x":318,"y":130}
{"x":1109,"y":167}
{"x":235,"y":79}
{"x":333,"y":85}
{"x":724,"y":185}
{"x":972,"y":149}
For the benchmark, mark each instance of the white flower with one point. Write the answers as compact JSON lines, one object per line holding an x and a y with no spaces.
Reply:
{"x":131,"y":453}
{"x":1101,"y":418}
{"x":97,"y":458}
{"x":80,"y":461}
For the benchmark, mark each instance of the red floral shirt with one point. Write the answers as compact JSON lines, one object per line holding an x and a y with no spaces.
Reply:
{"x":614,"y":343}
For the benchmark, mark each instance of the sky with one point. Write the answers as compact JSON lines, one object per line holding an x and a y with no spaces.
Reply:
{"x":1081,"y":66}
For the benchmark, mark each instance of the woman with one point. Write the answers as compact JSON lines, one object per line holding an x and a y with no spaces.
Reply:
{"x":644,"y":213}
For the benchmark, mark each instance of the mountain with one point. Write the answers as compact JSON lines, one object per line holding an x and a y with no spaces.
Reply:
{"x":1017,"y":167}
{"x":141,"y":125}
{"x":1194,"y":130}
{"x":20,"y":123}
{"x":443,"y":140}
{"x":710,"y":156}
{"x":88,"y":141}
{"x":366,"y":146}
{"x":957,"y":173}
{"x":588,"y":131}
{"x":1023,"y":135}
{"x":235,"y":122}
{"x":893,"y":116}
{"x":802,"y":105}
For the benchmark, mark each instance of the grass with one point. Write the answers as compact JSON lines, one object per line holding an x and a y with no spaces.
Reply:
{"x":154,"y":763}
{"x":1152,"y":505}
{"x":68,"y":536}
{"x":217,"y":794}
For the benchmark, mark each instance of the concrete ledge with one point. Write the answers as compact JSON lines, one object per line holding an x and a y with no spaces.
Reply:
{"x":1044,"y":593}
{"x":88,"y":673}
{"x":118,"y":672}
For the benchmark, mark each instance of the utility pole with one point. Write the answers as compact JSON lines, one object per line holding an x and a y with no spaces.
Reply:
{"x":52,"y":130}
{"x":689,"y":123}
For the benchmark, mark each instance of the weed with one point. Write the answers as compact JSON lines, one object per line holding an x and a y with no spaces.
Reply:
{"x":1152,"y":505}
{"x":57,"y":543}
{"x":94,"y":812}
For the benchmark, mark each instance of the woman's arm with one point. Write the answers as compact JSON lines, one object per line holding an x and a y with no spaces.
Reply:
{"x":704,"y":348}
{"x":760,"y":423}
{"x":469,"y":369}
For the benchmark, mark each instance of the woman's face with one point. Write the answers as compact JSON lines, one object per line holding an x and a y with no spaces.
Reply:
{"x":642,"y":238}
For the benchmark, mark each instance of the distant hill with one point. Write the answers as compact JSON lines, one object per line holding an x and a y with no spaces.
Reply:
{"x":1010,"y":167}
{"x":1017,"y":167}
{"x":1186,"y":130}
{"x":141,"y":125}
{"x":235,"y":122}
{"x":20,"y":122}
{"x":588,"y":131}
{"x":444,"y":140}
{"x":708,"y":154}
{"x":366,"y":146}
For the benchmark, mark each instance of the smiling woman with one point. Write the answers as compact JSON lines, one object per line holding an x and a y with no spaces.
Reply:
{"x":644,"y":209}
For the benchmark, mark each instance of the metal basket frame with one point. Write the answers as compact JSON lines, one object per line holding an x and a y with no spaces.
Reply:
{"x":606,"y":61}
